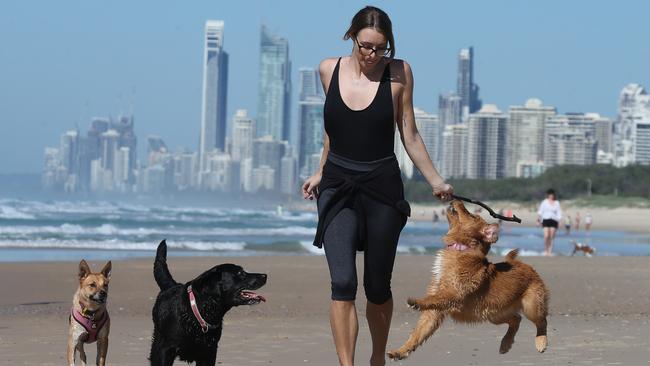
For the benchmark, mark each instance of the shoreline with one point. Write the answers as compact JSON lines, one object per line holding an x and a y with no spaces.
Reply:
{"x":631,"y":219}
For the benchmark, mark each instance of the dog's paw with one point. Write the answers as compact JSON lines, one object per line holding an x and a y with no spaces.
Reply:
{"x":397,"y":355}
{"x":506,"y":344}
{"x":413,"y":303}
{"x":540,"y":343}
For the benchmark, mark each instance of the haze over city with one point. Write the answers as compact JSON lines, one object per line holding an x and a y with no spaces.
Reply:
{"x":63,"y":64}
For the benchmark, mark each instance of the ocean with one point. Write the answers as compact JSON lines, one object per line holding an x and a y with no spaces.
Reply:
{"x":33,"y":230}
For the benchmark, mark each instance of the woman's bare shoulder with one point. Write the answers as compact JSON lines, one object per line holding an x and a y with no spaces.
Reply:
{"x":327,"y":65}
{"x":400,"y":70}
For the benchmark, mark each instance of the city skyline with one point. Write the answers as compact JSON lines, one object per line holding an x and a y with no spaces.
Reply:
{"x":104,"y":84}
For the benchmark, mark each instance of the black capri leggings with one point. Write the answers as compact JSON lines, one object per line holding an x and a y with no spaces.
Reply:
{"x":341,"y":242}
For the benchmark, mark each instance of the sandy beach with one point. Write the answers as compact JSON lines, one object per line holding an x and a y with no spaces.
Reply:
{"x":599,"y":314}
{"x":633,"y":219}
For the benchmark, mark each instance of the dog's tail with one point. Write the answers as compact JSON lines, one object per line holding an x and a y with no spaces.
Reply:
{"x":512,"y":255}
{"x":161,"y":273}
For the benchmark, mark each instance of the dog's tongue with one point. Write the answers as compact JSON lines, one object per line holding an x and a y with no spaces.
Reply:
{"x":253,"y":295}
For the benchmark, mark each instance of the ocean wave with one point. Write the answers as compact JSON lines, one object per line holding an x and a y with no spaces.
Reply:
{"x":68,"y":229}
{"x":8,"y":212}
{"x":121,"y":245}
{"x":309,"y":247}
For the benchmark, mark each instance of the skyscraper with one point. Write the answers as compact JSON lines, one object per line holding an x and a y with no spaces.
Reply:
{"x":273,"y":110}
{"x":429,"y":130}
{"x":309,"y":83}
{"x":215,"y":84}
{"x":310,"y":117}
{"x":486,"y":143}
{"x":455,"y":145}
{"x":633,"y":117}
{"x":525,"y":140}
{"x":465,"y":87}
{"x":570,"y":139}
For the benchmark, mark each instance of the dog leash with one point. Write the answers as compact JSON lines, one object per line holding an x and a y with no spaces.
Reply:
{"x":492,"y":213}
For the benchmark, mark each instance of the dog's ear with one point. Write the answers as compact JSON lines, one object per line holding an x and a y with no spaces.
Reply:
{"x":106,"y":271}
{"x":490,"y":233}
{"x":84,"y":270}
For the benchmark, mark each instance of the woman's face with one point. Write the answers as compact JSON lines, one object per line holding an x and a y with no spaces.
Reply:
{"x":551,"y":196}
{"x":370,"y":46}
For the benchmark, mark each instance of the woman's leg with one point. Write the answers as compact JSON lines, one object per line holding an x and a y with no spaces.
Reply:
{"x":384,"y":227}
{"x":547,"y":241}
{"x":552,"y":231}
{"x":345,"y":328}
{"x":379,"y":317}
{"x":340,"y":243}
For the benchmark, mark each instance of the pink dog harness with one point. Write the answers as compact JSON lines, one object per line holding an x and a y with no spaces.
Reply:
{"x":92,"y":325}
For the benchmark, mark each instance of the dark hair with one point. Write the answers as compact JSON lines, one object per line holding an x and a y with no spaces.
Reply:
{"x":372,"y":17}
{"x":550,"y":191}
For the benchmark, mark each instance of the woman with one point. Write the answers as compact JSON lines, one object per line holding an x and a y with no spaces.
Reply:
{"x":358,"y":185}
{"x":549,"y":216}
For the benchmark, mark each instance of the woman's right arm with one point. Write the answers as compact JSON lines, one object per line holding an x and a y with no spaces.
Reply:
{"x":310,"y":186}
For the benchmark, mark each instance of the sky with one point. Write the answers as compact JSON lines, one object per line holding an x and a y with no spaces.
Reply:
{"x":64,"y":62}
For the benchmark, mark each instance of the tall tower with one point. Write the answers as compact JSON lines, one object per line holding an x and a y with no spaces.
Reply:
{"x":486,"y":142}
{"x":273,"y":113}
{"x":310,"y":117}
{"x":525,"y":135}
{"x":465,"y":87}
{"x":215,"y":84}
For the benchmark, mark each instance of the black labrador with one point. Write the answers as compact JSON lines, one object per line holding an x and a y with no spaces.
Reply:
{"x":192,"y":333}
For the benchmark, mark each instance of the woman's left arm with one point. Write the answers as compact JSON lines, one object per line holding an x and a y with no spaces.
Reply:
{"x":412,"y":140}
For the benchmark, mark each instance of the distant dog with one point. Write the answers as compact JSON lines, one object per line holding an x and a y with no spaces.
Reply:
{"x":88,"y":320}
{"x":585,"y":248}
{"x":188,"y":318}
{"x":470,"y":289}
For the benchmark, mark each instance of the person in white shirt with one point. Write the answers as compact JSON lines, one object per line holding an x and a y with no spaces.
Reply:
{"x":549,"y":216}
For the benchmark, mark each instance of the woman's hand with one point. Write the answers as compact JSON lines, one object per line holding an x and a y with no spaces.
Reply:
{"x":443,"y":191}
{"x":310,"y":187}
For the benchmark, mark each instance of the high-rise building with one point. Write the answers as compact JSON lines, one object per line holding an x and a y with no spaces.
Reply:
{"x":309,"y":83}
{"x":289,"y":173}
{"x":570,"y":139}
{"x":404,"y":161}
{"x":604,"y":131}
{"x":269,"y":152}
{"x":486,"y":143}
{"x":215,"y":85}
{"x":455,"y":145}
{"x":310,"y":117}
{"x":633,"y":116}
{"x":450,"y":109}
{"x":465,"y":86}
{"x":273,"y":110}
{"x":243,"y":134}
{"x":429,"y":129}
{"x":642,"y":142}
{"x":69,"y":149}
{"x":525,"y":136}
{"x":311,"y":127}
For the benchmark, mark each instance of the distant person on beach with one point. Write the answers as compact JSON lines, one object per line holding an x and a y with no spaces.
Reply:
{"x":567,"y":224}
{"x":549,"y":216}
{"x":577,"y":221}
{"x":436,"y":218}
{"x":588,"y":221}
{"x":358,"y":186}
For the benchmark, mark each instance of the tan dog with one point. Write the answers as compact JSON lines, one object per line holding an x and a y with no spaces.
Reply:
{"x":585,"y":248}
{"x":470,"y":289}
{"x":89,"y":321}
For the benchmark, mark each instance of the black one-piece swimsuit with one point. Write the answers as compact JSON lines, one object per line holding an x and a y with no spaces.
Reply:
{"x":361,"y":202}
